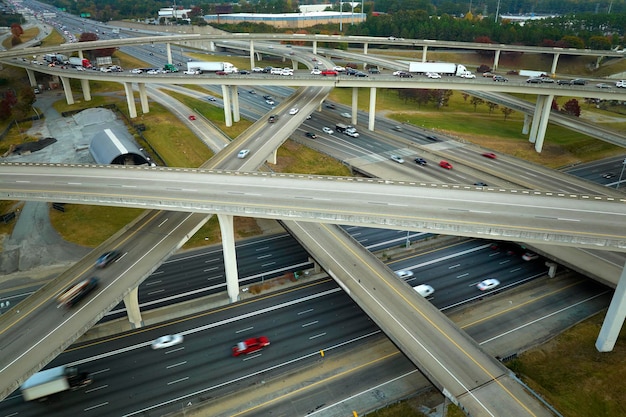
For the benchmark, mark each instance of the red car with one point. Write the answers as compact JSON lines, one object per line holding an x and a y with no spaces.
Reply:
{"x":250,"y":345}
{"x":330,"y":72}
{"x":221,"y":73}
{"x":192,"y":117}
{"x":445,"y":164}
{"x":490,"y":155}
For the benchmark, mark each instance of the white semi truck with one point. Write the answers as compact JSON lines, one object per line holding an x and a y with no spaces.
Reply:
{"x":443,"y":68}
{"x":52,"y":381}
{"x":204,"y":66}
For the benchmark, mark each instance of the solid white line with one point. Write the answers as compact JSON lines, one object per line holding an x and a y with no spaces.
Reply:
{"x":317,"y":335}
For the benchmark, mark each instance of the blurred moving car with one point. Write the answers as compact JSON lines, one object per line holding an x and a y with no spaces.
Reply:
{"x":530,"y":256}
{"x":310,"y":135}
{"x":327,"y":130}
{"x":404,"y":273}
{"x":108,"y":258}
{"x":445,"y":164}
{"x":77,"y":292}
{"x":420,"y":161}
{"x":243,"y":153}
{"x":489,"y":155}
{"x":192,"y":117}
{"x":488,"y":284}
{"x":167,"y":341}
{"x":294,"y":110}
{"x":251,"y":345}
{"x":273,"y":118}
{"x":397,"y":158}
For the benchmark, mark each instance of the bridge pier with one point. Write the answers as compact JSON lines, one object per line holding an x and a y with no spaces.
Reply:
{"x":315,"y":48}
{"x":273,"y":157}
{"x":143,"y":98}
{"x":234,"y":92}
{"x":84,"y":85}
{"x":526,"y":126}
{"x":355,"y":102}
{"x":540,"y":121}
{"x":230,"y":256}
{"x":364,"y":48}
{"x":424,"y":52}
{"x":130,"y":100}
{"x":228,"y":118}
{"x":168,"y":50}
{"x":131,"y":301}
{"x":496,"y":59}
{"x":614,"y":319}
{"x":67,"y":89}
{"x":372,"y":112}
{"x":555,"y":60}
{"x":31,"y":77}
{"x":251,"y":54}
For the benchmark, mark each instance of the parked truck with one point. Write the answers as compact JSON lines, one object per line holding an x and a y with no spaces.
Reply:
{"x":79,"y":62}
{"x":443,"y":68}
{"x":52,"y":381}
{"x":204,"y":66}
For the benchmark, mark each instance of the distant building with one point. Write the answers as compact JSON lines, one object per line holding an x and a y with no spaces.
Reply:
{"x":523,"y":18}
{"x":288,"y":20}
{"x":172,"y":13}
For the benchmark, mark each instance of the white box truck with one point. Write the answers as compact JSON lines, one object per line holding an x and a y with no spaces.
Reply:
{"x":532,"y":73}
{"x":443,"y":68}
{"x":204,"y":66}
{"x":52,"y":381}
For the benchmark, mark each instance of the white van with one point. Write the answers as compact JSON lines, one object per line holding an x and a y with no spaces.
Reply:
{"x":276,"y":71}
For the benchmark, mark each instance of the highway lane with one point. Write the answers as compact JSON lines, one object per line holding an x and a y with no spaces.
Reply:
{"x":124,"y":364}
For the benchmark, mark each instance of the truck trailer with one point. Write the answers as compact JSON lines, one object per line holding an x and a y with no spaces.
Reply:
{"x":204,"y":66}
{"x":532,"y":73}
{"x":79,"y":62}
{"x":443,"y":68}
{"x":52,"y":381}
{"x":347,"y":130}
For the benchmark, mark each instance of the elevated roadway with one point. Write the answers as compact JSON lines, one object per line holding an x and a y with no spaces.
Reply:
{"x":528,"y":216}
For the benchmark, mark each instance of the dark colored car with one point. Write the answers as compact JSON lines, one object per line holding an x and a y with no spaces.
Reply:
{"x":244,"y":72}
{"x":75,"y":293}
{"x":351,"y":71}
{"x":360,"y":74}
{"x":563,"y":82}
{"x":108,"y":258}
{"x":405,"y":75}
{"x":273,"y":118}
{"x":534,"y":80}
{"x":330,"y":106}
{"x":489,"y":155}
{"x":480,"y":184}
{"x":578,"y":81}
{"x":250,"y":345}
{"x":373,"y":71}
{"x":221,"y":73}
{"x":420,"y":161}
{"x":267,"y":97}
{"x":500,"y":78}
{"x":310,"y":135}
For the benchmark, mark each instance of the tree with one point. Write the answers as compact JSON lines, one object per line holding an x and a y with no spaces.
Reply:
{"x":572,"y":107}
{"x":555,"y":105}
{"x":88,"y":37}
{"x":476,"y":101}
{"x":16,"y":32}
{"x":506,"y":111}
{"x":491,"y":106}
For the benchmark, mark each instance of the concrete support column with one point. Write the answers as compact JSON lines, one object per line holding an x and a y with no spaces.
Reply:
{"x":315,"y":48}
{"x":67,"y":89}
{"x":614,"y":317}
{"x":526,"y":126}
{"x":543,"y":123}
{"x":84,"y":85}
{"x":80,"y":54}
{"x":534,"y":128}
{"x":316,"y":266}
{"x":552,"y":266}
{"x":168,"y":49}
{"x":555,"y":61}
{"x":212,"y":46}
{"x":251,"y":54}
{"x":31,"y":77}
{"x":372,"y":110}
{"x":424,"y":52}
{"x":234,"y":93}
{"x":230,"y":256}
{"x":355,"y":102}
{"x":365,"y":48}
{"x":294,"y":65}
{"x":598,"y":60}
{"x":131,"y":301}
{"x":496,"y":59}
{"x":273,"y":157}
{"x":226,"y":98}
{"x":143,"y":98}
{"x":130,"y":100}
